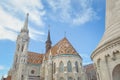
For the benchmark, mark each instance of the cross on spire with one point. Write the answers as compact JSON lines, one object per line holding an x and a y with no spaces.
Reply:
{"x":65,"y":34}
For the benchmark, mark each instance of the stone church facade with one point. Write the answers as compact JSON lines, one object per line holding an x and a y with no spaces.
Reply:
{"x":62,"y":62}
{"x":59,"y":62}
{"x":106,"y":56}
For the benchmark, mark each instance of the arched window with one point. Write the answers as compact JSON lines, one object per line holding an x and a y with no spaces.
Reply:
{"x":54,"y":67}
{"x":22,"y":77}
{"x":76,"y":66}
{"x":22,"y":48}
{"x":61,"y":78}
{"x":18,"y":47}
{"x":61,"y":67}
{"x":16,"y":58}
{"x":32,"y":71}
{"x":69,"y":66}
{"x":70,"y":78}
{"x":78,"y":78}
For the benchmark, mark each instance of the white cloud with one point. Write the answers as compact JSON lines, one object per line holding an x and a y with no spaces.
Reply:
{"x":2,"y":67}
{"x":35,"y":8}
{"x":3,"y":71}
{"x":11,"y":14}
{"x":76,"y":12}
{"x":87,"y":16}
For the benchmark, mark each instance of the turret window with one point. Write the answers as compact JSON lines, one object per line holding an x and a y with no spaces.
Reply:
{"x":61,"y":67}
{"x":69,"y":66}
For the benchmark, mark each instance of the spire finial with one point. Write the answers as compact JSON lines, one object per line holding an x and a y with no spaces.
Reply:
{"x":65,"y":34}
{"x":27,"y":14}
{"x":49,"y":27}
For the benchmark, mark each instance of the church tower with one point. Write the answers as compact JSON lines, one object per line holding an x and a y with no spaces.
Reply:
{"x":48,"y":42}
{"x":20,"y":58}
{"x":107,"y":54}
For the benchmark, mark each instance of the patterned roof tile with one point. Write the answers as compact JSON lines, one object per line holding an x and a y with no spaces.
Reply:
{"x":35,"y":58}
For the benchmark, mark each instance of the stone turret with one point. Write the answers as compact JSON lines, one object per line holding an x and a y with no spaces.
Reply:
{"x":112,"y":27}
{"x":107,"y":54}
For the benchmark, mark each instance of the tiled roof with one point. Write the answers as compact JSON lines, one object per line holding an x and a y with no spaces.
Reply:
{"x":8,"y":78}
{"x":62,"y":47}
{"x":89,"y":67}
{"x":35,"y":58}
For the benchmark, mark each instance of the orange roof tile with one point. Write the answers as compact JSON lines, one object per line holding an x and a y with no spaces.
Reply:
{"x":62,"y":47}
{"x":35,"y":58}
{"x":89,"y":67}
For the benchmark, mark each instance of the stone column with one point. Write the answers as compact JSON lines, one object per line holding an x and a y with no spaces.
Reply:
{"x":107,"y":66}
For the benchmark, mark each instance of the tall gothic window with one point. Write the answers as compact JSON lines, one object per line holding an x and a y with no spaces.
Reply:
{"x":69,"y":66}
{"x":76,"y":66}
{"x":54,"y":67}
{"x":22,"y":48}
{"x":22,"y":77}
{"x":61,"y":67}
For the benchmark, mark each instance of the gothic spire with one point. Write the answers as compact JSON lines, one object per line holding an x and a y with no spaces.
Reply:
{"x":48,"y":42}
{"x":48,"y":38}
{"x":25,"y":27}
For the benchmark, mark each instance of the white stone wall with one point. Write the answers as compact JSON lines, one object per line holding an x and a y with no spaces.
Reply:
{"x":106,"y":60}
{"x":33,"y":71}
{"x":66,"y":74}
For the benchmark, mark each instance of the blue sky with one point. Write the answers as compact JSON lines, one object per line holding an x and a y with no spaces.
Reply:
{"x":82,"y":20}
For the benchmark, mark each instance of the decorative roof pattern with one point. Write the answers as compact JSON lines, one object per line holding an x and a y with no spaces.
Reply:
{"x":35,"y":58}
{"x":62,"y":47}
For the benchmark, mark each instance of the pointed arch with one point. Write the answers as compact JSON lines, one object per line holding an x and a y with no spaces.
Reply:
{"x":69,"y":66}
{"x":22,"y":77}
{"x":18,"y":47}
{"x":76,"y":66}
{"x":61,"y":67}
{"x":116,"y":73}
{"x":22,"y":48}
